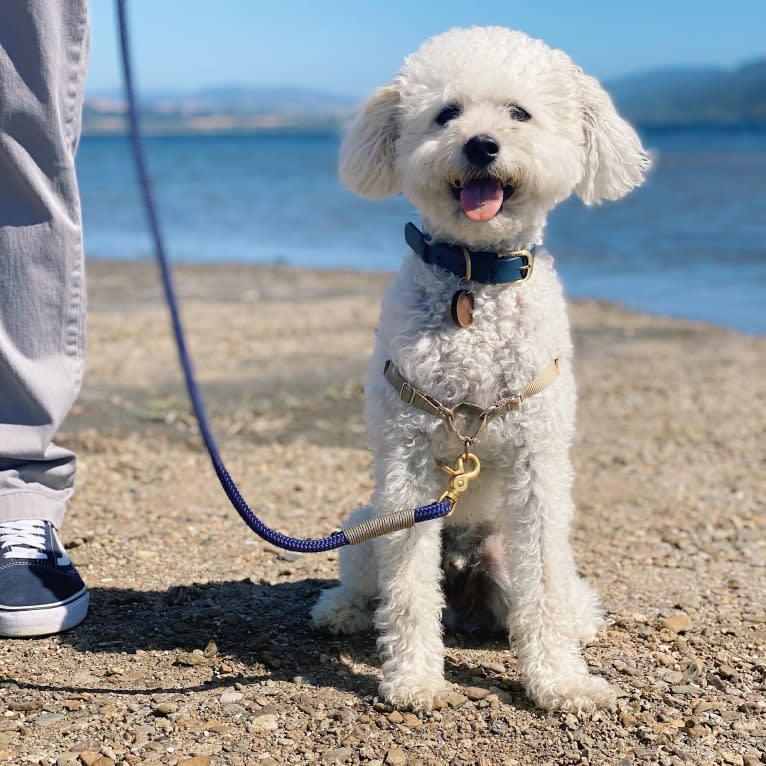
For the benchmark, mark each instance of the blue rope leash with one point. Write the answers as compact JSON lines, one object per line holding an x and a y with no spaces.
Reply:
{"x":336,"y":539}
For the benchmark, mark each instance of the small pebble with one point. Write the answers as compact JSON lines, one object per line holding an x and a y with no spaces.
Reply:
{"x":192,"y":659}
{"x":211,"y":649}
{"x":196,"y":760}
{"x":48,"y":719}
{"x":337,"y":755}
{"x":455,"y":699}
{"x":263,"y":723}
{"x":571,"y":721}
{"x":693,"y":670}
{"x":270,"y":661}
{"x":677,"y":623}
{"x":396,"y":757}
{"x":628,"y":720}
{"x":411,"y":720}
{"x":475,"y":693}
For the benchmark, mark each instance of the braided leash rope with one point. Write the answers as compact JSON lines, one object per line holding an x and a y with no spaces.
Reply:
{"x":352,"y":535}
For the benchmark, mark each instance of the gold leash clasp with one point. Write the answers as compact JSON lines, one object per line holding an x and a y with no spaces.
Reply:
{"x":460,"y":477}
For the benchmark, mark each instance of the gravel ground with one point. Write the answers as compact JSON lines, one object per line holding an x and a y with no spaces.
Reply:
{"x":198,"y":649}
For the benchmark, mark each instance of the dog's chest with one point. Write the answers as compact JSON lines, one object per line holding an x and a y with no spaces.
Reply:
{"x":493,"y":357}
{"x":517,"y":331}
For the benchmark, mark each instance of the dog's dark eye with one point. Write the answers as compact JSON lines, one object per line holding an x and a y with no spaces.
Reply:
{"x":518,"y":113}
{"x":448,"y":113}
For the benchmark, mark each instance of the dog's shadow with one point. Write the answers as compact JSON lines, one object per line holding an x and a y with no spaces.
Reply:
{"x":263,"y":627}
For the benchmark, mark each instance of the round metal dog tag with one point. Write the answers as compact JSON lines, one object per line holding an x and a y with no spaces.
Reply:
{"x":462,"y":308}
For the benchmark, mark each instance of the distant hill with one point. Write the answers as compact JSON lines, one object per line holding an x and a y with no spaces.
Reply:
{"x":225,"y":109}
{"x":285,"y":100}
{"x":694,"y":96}
{"x":704,"y":96}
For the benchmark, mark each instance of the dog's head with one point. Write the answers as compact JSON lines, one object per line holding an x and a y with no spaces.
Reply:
{"x":485,"y":130}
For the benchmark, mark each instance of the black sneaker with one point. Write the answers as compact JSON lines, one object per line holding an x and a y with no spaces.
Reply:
{"x":40,"y":590}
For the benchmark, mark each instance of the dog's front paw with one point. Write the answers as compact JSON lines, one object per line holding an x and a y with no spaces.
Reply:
{"x":412,"y":693}
{"x":341,"y":610}
{"x":573,"y":694}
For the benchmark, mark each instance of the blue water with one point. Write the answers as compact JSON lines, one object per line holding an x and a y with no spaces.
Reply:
{"x":690,"y":243}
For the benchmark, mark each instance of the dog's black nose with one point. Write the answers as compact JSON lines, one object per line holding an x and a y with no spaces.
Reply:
{"x":481,"y":150}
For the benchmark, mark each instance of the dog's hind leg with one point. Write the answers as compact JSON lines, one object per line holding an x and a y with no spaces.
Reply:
{"x":548,"y":615}
{"x":476,"y":581}
{"x":348,"y":607}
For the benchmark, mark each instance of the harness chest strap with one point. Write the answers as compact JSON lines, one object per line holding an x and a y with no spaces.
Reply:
{"x":417,"y":398}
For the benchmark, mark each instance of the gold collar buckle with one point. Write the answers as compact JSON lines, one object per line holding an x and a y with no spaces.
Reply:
{"x":529,"y":262}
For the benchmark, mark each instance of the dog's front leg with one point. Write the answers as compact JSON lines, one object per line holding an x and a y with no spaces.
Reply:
{"x":551,"y":607}
{"x":408,"y":617}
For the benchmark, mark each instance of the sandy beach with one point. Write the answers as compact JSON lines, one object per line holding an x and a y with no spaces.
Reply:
{"x":198,"y":648}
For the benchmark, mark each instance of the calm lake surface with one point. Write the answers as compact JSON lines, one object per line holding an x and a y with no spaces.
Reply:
{"x":690,"y":243}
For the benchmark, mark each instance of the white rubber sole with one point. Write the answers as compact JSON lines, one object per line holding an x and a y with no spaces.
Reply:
{"x":24,"y":622}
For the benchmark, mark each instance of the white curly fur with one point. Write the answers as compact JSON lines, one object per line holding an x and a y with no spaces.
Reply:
{"x":573,"y":142}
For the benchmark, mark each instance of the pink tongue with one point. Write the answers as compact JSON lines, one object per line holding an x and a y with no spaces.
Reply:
{"x":481,"y":200}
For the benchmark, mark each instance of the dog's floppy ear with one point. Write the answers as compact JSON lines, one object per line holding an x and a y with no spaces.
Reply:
{"x":615,"y":161}
{"x":368,"y":153}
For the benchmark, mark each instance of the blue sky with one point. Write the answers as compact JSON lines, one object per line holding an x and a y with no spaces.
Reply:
{"x":350,"y":47}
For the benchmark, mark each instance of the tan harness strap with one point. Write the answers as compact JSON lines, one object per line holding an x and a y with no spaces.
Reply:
{"x":411,"y":395}
{"x":542,"y":380}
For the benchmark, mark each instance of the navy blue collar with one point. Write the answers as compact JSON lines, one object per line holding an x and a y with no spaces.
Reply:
{"x":485,"y":267}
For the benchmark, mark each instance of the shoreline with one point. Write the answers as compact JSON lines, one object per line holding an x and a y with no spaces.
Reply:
{"x":113,"y":131}
{"x":105,"y":263}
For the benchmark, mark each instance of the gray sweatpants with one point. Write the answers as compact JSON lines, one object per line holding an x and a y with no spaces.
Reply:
{"x":43,"y":61}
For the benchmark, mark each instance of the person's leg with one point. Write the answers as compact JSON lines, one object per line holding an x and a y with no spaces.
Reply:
{"x":43,"y":61}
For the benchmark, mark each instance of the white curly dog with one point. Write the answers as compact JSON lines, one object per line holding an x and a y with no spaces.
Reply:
{"x":484,"y":130}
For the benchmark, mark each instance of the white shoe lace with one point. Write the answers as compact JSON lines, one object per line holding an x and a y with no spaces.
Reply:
{"x":23,"y":540}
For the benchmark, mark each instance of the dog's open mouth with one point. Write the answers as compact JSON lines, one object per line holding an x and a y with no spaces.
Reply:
{"x":481,"y":199}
